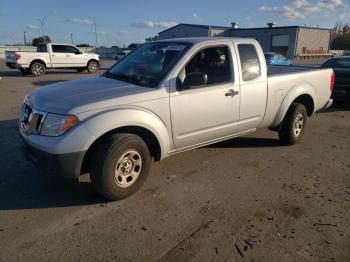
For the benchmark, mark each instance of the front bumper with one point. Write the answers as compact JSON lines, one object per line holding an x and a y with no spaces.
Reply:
{"x":63,"y":165}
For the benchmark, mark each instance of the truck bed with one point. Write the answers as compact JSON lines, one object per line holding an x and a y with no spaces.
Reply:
{"x":282,"y":70}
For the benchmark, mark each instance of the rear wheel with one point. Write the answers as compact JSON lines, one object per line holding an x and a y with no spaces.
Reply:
{"x":293,"y":125}
{"x":120,"y":166}
{"x":93,"y":67}
{"x":37,"y":69}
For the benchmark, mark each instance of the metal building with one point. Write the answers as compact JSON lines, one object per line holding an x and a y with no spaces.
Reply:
{"x":192,"y":30}
{"x":290,"y":41}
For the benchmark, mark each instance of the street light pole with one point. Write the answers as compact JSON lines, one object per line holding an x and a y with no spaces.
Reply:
{"x":42,"y":23}
{"x":71,"y":37}
{"x":95,"y":32}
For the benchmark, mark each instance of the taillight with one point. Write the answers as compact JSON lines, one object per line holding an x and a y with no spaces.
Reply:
{"x":17,"y":56}
{"x":332,"y":81}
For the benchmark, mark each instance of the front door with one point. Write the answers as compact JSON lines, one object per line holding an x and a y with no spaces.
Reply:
{"x":67,"y":56}
{"x":204,"y":100}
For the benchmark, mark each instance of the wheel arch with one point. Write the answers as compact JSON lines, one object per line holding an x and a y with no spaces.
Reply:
{"x":303,"y":94}
{"x":92,"y":60}
{"x":135,"y":120}
{"x":38,"y":61}
{"x":148,"y":137}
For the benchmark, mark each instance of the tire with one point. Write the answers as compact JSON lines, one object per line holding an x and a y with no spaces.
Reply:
{"x":293,"y":125}
{"x":93,"y":67}
{"x":79,"y":70}
{"x":37,"y":69}
{"x":120,"y":166}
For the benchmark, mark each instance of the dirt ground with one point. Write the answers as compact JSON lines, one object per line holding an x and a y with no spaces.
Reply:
{"x":247,"y":199}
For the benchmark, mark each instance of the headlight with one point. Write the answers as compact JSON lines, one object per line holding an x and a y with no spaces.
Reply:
{"x":55,"y":125}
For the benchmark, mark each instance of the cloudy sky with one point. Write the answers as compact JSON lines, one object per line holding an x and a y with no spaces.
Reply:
{"x":123,"y":22}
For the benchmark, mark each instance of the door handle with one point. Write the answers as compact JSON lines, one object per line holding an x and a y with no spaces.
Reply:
{"x":231,"y":93}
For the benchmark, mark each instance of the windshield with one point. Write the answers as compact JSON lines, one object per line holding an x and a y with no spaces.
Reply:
{"x":147,"y":65}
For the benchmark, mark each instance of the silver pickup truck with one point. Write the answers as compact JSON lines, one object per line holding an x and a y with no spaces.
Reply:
{"x":164,"y":98}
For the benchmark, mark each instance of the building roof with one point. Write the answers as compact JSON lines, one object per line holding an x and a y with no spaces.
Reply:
{"x":281,"y":27}
{"x":196,"y":25}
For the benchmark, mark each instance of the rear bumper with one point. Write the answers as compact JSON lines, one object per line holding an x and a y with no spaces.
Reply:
{"x":61,"y":165}
{"x":12,"y":65}
{"x":328,"y":104}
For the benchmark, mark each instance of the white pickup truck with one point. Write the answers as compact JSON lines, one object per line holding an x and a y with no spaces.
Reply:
{"x":164,"y":98}
{"x":52,"y":56}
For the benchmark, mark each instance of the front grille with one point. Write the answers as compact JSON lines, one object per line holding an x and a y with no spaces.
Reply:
{"x":31,"y":119}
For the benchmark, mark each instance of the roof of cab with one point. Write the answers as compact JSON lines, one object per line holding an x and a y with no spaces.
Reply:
{"x":196,"y":40}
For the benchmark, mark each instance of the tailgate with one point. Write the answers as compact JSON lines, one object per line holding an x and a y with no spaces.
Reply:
{"x":10,"y":56}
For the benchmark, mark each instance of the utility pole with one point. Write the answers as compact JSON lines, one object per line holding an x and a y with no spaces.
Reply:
{"x":95,"y":32}
{"x":71,"y":37}
{"x":25,"y":38}
{"x":42,"y":23}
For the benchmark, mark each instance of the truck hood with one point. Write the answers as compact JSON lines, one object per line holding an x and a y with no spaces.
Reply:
{"x":78,"y":96}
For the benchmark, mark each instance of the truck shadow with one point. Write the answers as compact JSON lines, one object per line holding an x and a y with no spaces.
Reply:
{"x":22,"y":186}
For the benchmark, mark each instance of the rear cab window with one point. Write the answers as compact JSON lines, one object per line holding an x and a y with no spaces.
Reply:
{"x":41,"y":49}
{"x":250,"y":64}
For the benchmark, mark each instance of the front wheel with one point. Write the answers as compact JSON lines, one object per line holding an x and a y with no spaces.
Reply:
{"x":93,"y":67}
{"x":120,"y":166}
{"x":293,"y":125}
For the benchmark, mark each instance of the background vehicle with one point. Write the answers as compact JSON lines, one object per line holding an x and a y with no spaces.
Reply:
{"x":122,"y":54}
{"x":341,"y":67}
{"x":276,"y":59}
{"x":52,"y":56}
{"x":164,"y":98}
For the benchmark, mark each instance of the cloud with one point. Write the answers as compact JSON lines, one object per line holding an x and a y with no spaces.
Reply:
{"x":31,"y":27}
{"x":99,"y":32}
{"x":154,"y":24}
{"x":289,"y":13}
{"x":301,"y":8}
{"x":196,"y":16}
{"x":79,"y":21}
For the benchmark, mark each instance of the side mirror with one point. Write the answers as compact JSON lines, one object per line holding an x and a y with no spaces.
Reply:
{"x":195,"y":79}
{"x":78,"y":52}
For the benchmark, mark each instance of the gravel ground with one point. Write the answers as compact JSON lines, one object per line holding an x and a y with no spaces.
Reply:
{"x":247,"y":199}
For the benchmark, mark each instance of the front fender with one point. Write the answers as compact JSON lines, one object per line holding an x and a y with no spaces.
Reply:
{"x":295,"y":92}
{"x":103,"y":122}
